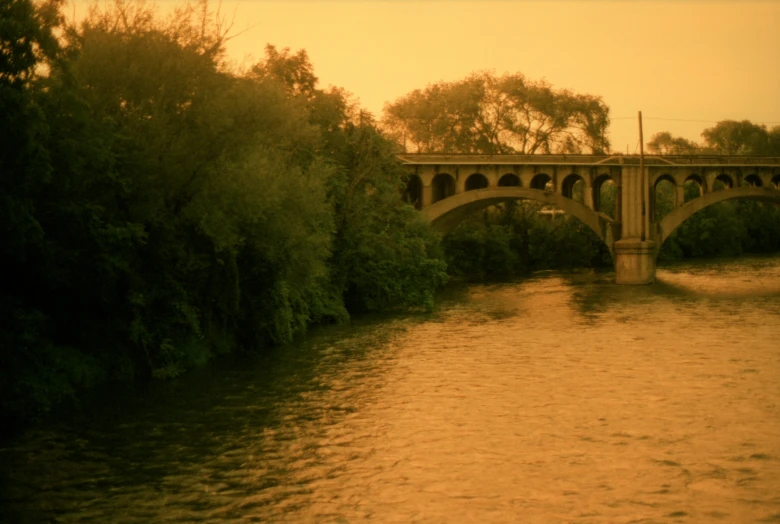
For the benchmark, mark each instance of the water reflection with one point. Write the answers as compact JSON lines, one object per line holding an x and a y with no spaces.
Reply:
{"x":563,"y":398}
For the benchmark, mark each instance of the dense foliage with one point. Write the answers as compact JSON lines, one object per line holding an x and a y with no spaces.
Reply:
{"x":487,"y":114}
{"x":513,"y":239}
{"x":728,"y":228}
{"x":159,"y":208}
{"x":727,"y":137}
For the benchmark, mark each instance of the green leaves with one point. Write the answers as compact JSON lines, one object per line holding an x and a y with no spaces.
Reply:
{"x":664,"y":143}
{"x":512,"y":239}
{"x":742,"y":138}
{"x":160,"y":209}
{"x":486,"y":114}
{"x":383,"y":254}
{"x":727,"y":137}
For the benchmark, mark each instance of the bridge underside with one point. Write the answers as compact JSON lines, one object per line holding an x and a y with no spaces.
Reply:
{"x":449,"y":212}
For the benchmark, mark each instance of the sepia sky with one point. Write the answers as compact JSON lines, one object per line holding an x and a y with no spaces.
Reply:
{"x":700,"y":61}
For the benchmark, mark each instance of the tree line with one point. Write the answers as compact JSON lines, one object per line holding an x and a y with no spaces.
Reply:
{"x":728,"y":137}
{"x":160,"y":207}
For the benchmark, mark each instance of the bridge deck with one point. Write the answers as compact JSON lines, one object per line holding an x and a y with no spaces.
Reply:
{"x":590,"y":160}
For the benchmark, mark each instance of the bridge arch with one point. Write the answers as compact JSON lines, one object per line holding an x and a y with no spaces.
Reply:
{"x":446,"y":214}
{"x":567,"y":187}
{"x":658,"y":204}
{"x":666,"y":177}
{"x":443,"y":186}
{"x":776,"y":181}
{"x":698,"y":180}
{"x":724,"y":179}
{"x":752,"y":180}
{"x":476,"y":181}
{"x":509,"y":180}
{"x":673,"y":220}
{"x":600,"y":185}
{"x":658,"y":175}
{"x":542,"y":181}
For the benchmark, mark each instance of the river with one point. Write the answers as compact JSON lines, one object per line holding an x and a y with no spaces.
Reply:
{"x":562,"y":398}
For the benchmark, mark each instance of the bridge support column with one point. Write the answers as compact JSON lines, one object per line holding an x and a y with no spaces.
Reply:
{"x":427,"y":195}
{"x":589,"y":197}
{"x":679,"y":195}
{"x":634,"y":261}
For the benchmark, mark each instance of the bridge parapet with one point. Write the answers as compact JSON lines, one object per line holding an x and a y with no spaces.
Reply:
{"x":589,"y":160}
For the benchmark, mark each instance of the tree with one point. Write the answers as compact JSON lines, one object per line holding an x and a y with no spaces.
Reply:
{"x":292,"y":70}
{"x":727,"y":137}
{"x":730,"y":137}
{"x":487,"y":114}
{"x":383,"y":255}
{"x":664,"y":143}
{"x":159,"y":208}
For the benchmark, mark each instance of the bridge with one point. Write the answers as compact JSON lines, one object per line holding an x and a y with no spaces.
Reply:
{"x":447,"y":188}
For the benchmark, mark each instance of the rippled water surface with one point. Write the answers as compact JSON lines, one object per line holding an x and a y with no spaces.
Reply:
{"x":564,"y":398}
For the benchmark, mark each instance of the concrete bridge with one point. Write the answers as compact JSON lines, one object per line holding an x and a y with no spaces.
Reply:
{"x":447,"y":188}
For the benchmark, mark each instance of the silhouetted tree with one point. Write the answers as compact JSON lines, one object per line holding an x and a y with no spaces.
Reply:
{"x":488,"y":114}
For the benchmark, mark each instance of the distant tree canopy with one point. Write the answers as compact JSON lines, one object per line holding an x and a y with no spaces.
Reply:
{"x":488,"y":114}
{"x":742,"y":138}
{"x":727,"y":137}
{"x":664,"y":143}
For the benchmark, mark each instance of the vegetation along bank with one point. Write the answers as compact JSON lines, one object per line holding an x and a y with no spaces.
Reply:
{"x":160,"y":207}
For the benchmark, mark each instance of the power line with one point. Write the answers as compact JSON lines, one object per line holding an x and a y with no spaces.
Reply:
{"x":685,"y":120}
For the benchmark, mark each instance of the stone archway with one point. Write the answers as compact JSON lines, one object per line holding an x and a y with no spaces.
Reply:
{"x":662,"y":197}
{"x":722,"y":181}
{"x":573,"y":187}
{"x":752,"y":180}
{"x":691,"y":181}
{"x":476,"y":181}
{"x":443,"y":186}
{"x":509,"y":180}
{"x":606,"y":196}
{"x":542,"y":181}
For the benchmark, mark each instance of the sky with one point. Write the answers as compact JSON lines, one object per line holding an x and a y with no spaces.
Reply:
{"x":690,"y":63}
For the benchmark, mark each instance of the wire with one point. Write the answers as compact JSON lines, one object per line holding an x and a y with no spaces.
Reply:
{"x":704,"y":121}
{"x":683,"y":120}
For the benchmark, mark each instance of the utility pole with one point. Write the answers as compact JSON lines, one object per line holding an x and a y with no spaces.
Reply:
{"x":645,"y":195}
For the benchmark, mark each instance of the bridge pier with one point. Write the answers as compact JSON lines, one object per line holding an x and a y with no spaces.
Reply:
{"x":589,"y":196}
{"x":634,"y":261}
{"x":427,"y":193}
{"x":679,"y":195}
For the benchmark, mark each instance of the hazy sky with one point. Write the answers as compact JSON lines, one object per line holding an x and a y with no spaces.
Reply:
{"x":694,"y":60}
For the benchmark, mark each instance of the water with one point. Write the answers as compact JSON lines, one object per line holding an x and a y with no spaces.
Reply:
{"x":564,"y":398}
